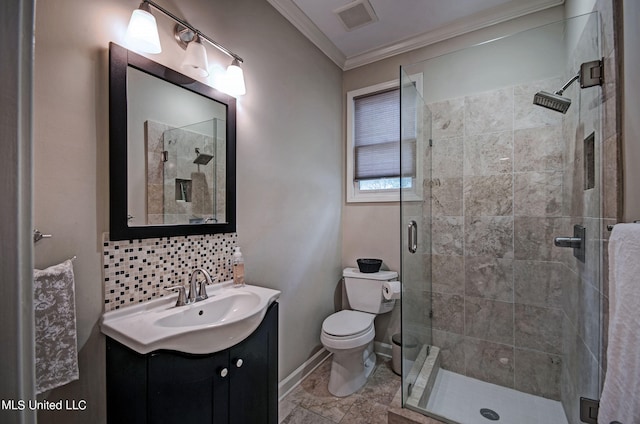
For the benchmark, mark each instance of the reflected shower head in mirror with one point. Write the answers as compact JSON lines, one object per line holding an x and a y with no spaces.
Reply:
{"x":202,"y":158}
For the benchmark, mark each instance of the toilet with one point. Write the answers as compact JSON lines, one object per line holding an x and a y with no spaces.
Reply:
{"x":349,"y":334}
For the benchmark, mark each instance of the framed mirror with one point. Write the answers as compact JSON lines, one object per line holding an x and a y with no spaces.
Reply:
{"x":172,"y":152}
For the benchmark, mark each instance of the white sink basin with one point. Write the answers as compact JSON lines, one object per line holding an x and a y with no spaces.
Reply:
{"x":226,"y":318}
{"x":216,"y":310}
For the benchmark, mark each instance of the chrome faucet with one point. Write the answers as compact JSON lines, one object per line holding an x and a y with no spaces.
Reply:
{"x":202,"y":289}
{"x":196,"y":292}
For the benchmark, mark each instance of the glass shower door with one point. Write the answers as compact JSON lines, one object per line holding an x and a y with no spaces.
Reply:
{"x":415,"y":210}
{"x":509,"y":319}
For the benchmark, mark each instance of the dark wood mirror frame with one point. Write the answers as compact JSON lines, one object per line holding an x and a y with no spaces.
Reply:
{"x":119,"y":60}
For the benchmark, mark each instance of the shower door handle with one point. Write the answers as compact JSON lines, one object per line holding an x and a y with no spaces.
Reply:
{"x":577,"y":242}
{"x":412,"y":236}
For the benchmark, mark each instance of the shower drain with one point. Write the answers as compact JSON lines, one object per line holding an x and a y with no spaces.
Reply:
{"x":489,"y":414}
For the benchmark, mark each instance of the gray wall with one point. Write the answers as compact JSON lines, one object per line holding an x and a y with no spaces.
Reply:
{"x":288,"y":176}
{"x":17,"y":365}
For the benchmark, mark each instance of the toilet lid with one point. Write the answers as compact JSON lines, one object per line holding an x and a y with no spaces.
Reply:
{"x":347,"y":323}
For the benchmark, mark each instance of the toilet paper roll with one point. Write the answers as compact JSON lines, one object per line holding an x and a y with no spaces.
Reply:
{"x":391,"y":290}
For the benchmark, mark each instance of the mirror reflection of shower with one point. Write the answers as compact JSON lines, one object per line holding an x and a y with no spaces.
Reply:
{"x":187,"y":186}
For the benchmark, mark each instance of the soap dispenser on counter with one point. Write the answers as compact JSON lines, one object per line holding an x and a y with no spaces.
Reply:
{"x":238,"y":268}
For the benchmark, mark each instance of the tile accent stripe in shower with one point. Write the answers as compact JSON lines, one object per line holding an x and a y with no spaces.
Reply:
{"x":135,"y":271}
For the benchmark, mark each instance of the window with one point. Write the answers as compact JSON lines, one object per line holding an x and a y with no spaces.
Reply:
{"x":374,"y":172}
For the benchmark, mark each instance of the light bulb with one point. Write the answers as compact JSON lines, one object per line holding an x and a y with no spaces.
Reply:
{"x":235,"y":80}
{"x":195,"y":58}
{"x":142,"y":33}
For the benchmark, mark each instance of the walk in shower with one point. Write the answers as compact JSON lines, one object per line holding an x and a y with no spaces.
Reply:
{"x":507,"y":323}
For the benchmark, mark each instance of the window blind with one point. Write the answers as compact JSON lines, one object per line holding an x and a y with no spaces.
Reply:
{"x":377,"y":136}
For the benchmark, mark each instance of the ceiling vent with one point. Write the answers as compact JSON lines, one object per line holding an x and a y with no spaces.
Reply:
{"x":356,"y":14}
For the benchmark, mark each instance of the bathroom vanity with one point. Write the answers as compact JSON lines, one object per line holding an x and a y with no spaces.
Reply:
{"x":213,"y":361}
{"x":237,"y":385}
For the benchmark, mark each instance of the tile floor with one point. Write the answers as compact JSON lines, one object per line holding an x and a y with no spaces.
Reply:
{"x":311,"y":402}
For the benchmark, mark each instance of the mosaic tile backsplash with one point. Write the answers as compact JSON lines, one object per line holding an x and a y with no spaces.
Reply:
{"x":135,"y":271}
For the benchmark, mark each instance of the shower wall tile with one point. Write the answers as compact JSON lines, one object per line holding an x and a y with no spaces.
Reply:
{"x":538,"y":149}
{"x":588,"y":317}
{"x":491,"y":362}
{"x":488,"y":320}
{"x":612,"y":180}
{"x":539,"y":283}
{"x":447,"y":157}
{"x":488,"y":154}
{"x":571,"y":296}
{"x":447,"y":118}
{"x":155,"y":193}
{"x":587,"y":363}
{"x":451,"y":350}
{"x":528,"y":115}
{"x":538,"y":328}
{"x":448,"y":237}
{"x":489,"y":112}
{"x":489,"y":278}
{"x":568,"y":395}
{"x":489,"y":236}
{"x":538,"y":373}
{"x":490,"y":195}
{"x":446,"y":196}
{"x":533,"y":238}
{"x":538,"y":194}
{"x":609,"y":92}
{"x":448,"y":274}
{"x":415,"y":312}
{"x":448,"y":312}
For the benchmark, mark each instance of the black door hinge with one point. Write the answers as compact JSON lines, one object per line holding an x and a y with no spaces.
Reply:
{"x":589,"y":410}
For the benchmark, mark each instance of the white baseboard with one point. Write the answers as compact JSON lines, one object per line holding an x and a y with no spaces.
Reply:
{"x":295,"y":378}
{"x":299,"y":374}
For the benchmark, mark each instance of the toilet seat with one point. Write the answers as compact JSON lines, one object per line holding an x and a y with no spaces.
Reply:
{"x":347,"y":330}
{"x":347,"y":323}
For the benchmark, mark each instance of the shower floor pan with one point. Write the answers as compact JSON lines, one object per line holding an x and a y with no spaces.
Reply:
{"x":457,"y":399}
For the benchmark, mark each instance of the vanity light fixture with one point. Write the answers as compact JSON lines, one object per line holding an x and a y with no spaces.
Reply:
{"x":144,"y":37}
{"x":235,"y":79}
{"x":142,"y":32}
{"x":195,"y":58}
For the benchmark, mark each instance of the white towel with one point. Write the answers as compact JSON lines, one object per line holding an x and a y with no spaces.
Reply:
{"x":620,"y":400}
{"x":55,"y":319}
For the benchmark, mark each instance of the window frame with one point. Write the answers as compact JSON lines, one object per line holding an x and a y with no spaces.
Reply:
{"x":354,"y":194}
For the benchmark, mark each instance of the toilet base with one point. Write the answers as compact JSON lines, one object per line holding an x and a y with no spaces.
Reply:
{"x":350,"y":370}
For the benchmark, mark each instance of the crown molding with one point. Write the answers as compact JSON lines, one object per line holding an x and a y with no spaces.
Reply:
{"x":476,"y":22}
{"x":293,"y":14}
{"x":481,"y":20}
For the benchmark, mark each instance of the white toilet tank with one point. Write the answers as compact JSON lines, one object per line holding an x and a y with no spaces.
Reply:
{"x":364,"y":290}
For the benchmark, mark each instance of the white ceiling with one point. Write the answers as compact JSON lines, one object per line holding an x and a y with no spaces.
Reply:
{"x":402,"y":25}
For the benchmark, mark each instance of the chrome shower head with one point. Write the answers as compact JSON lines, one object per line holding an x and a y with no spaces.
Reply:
{"x":591,"y":74}
{"x":202,"y":158}
{"x":552,"y":101}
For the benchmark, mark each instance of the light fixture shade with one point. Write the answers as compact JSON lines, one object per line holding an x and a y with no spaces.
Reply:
{"x":235,"y":80}
{"x":195,"y":58}
{"x":142,"y":33}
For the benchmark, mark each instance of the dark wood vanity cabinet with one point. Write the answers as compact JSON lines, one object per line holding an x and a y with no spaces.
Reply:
{"x":238,"y":385}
